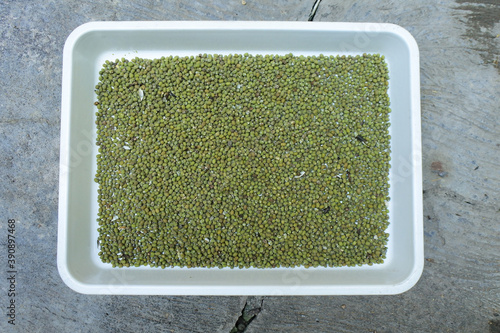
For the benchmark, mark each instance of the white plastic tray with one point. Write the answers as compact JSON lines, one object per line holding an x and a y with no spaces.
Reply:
{"x":91,"y":44}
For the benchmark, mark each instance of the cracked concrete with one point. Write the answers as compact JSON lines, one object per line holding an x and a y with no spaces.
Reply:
{"x":459,"y":290}
{"x":314,"y":9}
{"x":253,"y":306}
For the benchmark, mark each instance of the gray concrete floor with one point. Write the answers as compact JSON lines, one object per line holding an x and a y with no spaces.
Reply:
{"x":459,"y":290}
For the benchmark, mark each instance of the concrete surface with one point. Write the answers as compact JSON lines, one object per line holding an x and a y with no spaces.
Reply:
{"x":460,"y":288}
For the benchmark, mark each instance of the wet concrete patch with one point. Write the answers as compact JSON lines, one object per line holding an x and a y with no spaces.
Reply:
{"x":481,"y":18}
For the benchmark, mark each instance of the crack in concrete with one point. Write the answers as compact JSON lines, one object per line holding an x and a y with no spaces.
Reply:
{"x":314,"y":9}
{"x":253,"y":306}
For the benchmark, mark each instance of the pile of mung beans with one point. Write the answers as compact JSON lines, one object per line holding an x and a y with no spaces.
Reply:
{"x":243,"y":161}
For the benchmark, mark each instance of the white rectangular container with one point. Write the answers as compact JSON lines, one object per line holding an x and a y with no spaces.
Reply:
{"x":91,"y":44}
